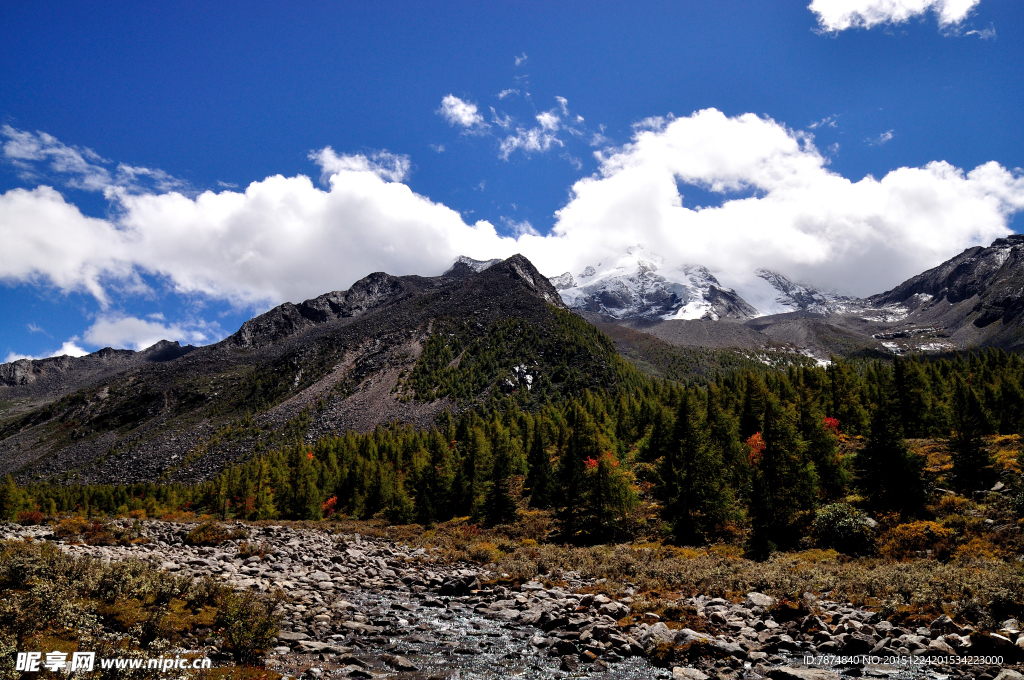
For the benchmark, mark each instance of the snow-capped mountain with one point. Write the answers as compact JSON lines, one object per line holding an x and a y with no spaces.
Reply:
{"x":641,"y":285}
{"x":476,"y":265}
{"x":772,"y":293}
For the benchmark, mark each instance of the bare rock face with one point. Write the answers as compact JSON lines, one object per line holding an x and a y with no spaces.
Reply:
{"x":285,"y":320}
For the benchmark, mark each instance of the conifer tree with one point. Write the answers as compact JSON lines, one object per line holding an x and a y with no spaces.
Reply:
{"x":783,"y":483}
{"x":887,"y":472}
{"x":499,"y":507}
{"x":582,"y":443}
{"x":725,"y":437}
{"x":540,"y":478}
{"x":698,"y":499}
{"x":609,"y":496}
{"x":972,"y":464}
{"x":912,"y":388}
{"x":11,"y":499}
{"x":264,"y":493}
{"x":433,"y":491}
{"x":752,"y":412}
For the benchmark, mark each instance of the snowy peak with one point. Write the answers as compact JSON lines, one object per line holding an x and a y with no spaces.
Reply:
{"x":476,"y":265}
{"x":641,"y":286}
{"x":563,"y":281}
{"x":770,"y":292}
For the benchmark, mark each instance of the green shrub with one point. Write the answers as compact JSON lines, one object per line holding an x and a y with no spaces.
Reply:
{"x":842,"y":527}
{"x":211,"y":533}
{"x":249,"y":624}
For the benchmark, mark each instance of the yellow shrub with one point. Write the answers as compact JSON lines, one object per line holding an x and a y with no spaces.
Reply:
{"x":954,"y":505}
{"x":72,"y":526}
{"x":975,"y":549}
{"x":916,"y":538}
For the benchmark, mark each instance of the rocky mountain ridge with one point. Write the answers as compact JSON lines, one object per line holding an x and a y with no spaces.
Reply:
{"x":972,"y":300}
{"x":642,"y":286}
{"x":345,"y":360}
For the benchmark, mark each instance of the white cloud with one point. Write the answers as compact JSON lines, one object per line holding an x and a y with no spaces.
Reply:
{"x":519,"y":228}
{"x":388,"y":166}
{"x":285,"y":238}
{"x":46,"y":238}
{"x":37,"y":155}
{"x":507,"y":93}
{"x":32,"y":328}
{"x":536,"y":139}
{"x":533,"y":139}
{"x":803,"y":220}
{"x":521,"y":58}
{"x":282,"y":238}
{"x":881,"y":138}
{"x":839,"y":15}
{"x":829,"y":121}
{"x":548,"y":121}
{"x":128,"y":332}
{"x":503,"y":120}
{"x":985,"y":34}
{"x":460,"y":112}
{"x":69,"y":348}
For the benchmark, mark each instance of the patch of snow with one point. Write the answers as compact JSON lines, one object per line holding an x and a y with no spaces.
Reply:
{"x":476,"y":265}
{"x":563,"y":281}
{"x":937,"y":347}
{"x":888,"y":314}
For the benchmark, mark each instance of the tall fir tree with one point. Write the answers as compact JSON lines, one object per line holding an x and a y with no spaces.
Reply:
{"x":698,"y":498}
{"x":782,"y":483}
{"x":582,"y":443}
{"x":972,"y":464}
{"x":540,"y":477}
{"x":888,"y":473}
{"x":499,"y":506}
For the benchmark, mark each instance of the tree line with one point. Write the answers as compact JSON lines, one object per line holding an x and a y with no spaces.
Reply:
{"x":754,"y":453}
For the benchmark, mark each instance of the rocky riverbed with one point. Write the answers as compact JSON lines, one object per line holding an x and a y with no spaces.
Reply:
{"x":362,"y":607}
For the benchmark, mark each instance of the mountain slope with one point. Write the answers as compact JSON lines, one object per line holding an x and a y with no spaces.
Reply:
{"x":389,"y":348}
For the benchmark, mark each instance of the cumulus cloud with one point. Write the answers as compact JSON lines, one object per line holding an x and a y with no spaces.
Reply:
{"x":47,"y":238}
{"x":69,"y":348}
{"x":286,"y":238}
{"x":282,"y":238}
{"x":839,"y":15}
{"x":388,"y":166}
{"x":519,"y":228}
{"x":460,"y":112}
{"x":129,"y":332}
{"x":781,"y":207}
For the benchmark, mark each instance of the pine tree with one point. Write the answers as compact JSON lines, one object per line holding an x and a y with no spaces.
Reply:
{"x":11,"y":499}
{"x":752,"y":412}
{"x":581,"y":444}
{"x":609,"y":496}
{"x":499,"y":507}
{"x":699,"y":500}
{"x":912,"y":388}
{"x":782,"y":482}
{"x":887,"y":472}
{"x":540,"y":478}
{"x":972,"y":464}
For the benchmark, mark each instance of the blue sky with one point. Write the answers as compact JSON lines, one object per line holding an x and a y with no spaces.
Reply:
{"x":836,"y":143}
